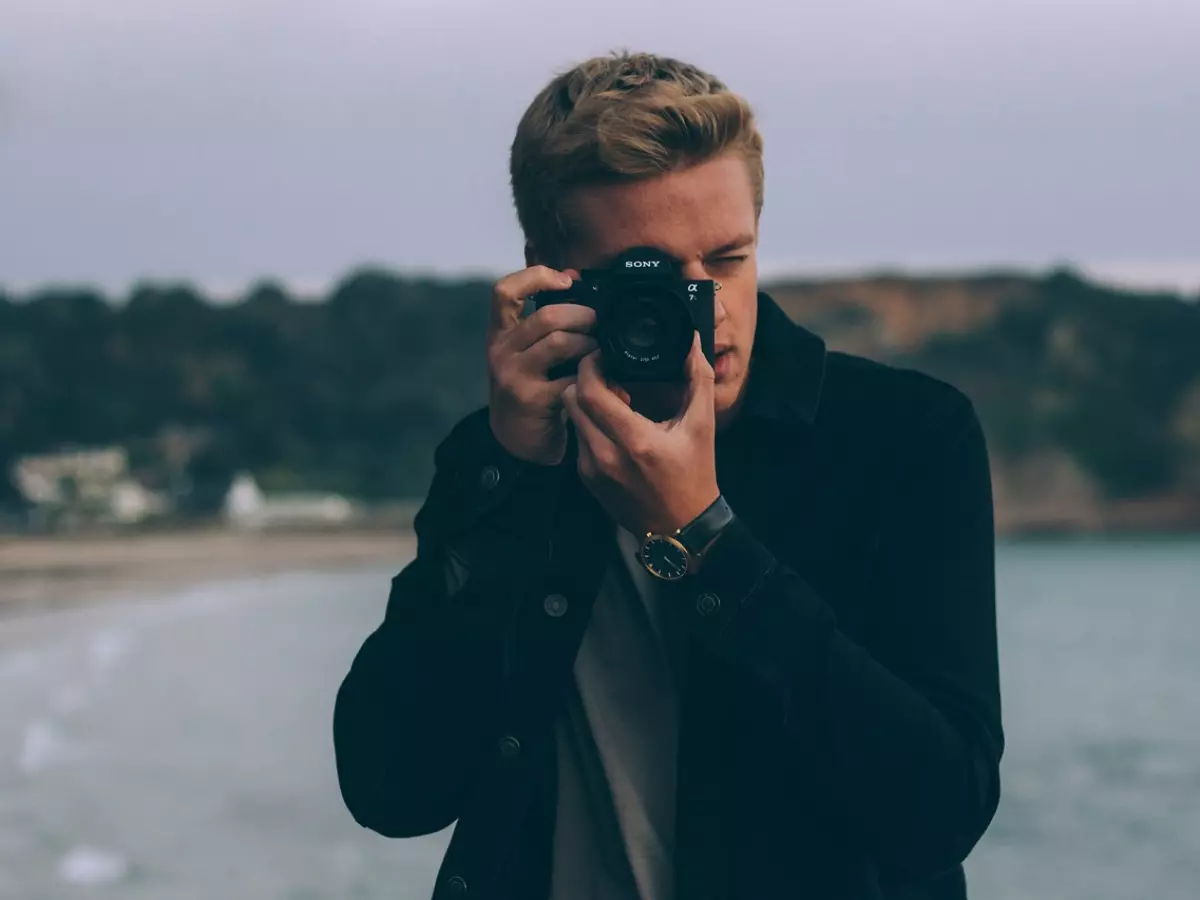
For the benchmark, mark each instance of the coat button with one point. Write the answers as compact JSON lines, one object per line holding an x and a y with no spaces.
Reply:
{"x":489,"y":477}
{"x":456,"y":886}
{"x":555,"y":605}
{"x":509,"y":746}
{"x":707,"y":604}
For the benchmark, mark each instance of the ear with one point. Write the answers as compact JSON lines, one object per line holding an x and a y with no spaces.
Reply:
{"x":531,"y":256}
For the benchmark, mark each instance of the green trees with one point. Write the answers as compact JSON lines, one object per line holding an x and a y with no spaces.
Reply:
{"x":353,"y":391}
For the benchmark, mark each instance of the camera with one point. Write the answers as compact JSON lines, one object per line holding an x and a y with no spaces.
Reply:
{"x":646,"y":316}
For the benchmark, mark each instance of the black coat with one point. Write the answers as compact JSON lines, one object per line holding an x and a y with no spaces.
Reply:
{"x":840,"y":735}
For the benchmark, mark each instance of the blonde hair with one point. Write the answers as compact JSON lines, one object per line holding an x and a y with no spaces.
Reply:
{"x":621,"y":118}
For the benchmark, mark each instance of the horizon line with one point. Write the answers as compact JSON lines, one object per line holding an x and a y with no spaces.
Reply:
{"x":1176,"y":277}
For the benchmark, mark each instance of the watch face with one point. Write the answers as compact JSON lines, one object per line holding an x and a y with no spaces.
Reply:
{"x":664,"y":559}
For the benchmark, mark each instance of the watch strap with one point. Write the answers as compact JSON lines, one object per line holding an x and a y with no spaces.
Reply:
{"x":697,"y":534}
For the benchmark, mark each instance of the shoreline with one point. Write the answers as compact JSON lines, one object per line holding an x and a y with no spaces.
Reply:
{"x":45,"y":572}
{"x":42,"y":573}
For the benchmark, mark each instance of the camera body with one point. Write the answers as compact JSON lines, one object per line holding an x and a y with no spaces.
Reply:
{"x":646,"y":316}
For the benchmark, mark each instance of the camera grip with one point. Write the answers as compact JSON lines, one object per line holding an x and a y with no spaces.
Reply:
{"x":550,"y":297}
{"x":562,"y":370}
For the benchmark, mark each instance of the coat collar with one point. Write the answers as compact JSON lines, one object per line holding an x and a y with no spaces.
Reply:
{"x":787,"y":367}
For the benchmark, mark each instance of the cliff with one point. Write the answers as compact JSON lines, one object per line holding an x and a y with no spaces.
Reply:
{"x":1090,"y":396}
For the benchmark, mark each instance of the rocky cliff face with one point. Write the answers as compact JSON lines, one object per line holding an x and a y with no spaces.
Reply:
{"x":880,"y":317}
{"x":1063,"y":374}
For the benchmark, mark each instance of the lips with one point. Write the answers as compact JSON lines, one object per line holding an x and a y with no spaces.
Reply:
{"x":721,"y":363}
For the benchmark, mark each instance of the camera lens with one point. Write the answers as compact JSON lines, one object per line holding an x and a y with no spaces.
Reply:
{"x":643,"y":329}
{"x":649,"y":326}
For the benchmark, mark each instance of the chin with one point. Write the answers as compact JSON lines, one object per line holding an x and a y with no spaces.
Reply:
{"x":726,"y":399}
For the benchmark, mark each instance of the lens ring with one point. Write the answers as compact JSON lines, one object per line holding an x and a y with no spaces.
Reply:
{"x":649,"y":324}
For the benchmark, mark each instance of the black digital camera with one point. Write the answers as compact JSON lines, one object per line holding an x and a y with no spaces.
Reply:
{"x":646,"y":316}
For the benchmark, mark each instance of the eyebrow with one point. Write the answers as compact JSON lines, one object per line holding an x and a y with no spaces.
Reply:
{"x":742,"y":240}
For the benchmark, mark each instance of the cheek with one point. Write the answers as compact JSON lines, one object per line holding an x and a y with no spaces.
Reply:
{"x":740,"y":310}
{"x":727,"y":391}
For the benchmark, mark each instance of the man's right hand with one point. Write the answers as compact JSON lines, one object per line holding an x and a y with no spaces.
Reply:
{"x":525,"y":407}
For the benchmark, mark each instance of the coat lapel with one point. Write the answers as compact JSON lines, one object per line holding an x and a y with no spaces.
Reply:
{"x":583,"y":544}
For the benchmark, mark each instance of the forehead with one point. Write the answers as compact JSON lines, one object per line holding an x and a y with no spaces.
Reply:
{"x":688,"y":213}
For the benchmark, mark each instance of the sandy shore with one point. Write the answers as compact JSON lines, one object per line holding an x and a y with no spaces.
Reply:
{"x":42,"y":572}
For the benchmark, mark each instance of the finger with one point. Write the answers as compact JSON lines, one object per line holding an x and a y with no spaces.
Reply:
{"x":555,"y":317}
{"x":597,"y":454}
{"x":698,"y":401}
{"x":585,"y":463}
{"x":509,"y":293}
{"x":605,"y":408}
{"x":554,"y":349}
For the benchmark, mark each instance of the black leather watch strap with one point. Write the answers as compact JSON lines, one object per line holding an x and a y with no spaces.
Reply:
{"x":697,"y":534}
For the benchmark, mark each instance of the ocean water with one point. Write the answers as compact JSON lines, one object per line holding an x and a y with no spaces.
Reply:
{"x":179,"y":748}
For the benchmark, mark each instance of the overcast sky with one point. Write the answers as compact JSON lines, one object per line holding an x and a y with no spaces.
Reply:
{"x":225,"y":140}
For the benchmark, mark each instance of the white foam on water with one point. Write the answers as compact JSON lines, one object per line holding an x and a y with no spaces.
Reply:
{"x":91,"y":867}
{"x":43,"y":746}
{"x":108,"y":646}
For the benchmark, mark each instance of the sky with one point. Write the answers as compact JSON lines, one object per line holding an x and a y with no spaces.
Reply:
{"x":224,"y":141}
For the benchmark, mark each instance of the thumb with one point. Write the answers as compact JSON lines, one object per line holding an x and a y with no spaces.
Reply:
{"x":698,"y":403}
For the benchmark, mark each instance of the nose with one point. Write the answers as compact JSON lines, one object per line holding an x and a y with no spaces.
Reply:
{"x":694,"y":270}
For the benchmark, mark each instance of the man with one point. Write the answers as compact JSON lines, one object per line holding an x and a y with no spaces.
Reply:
{"x":813,"y":709}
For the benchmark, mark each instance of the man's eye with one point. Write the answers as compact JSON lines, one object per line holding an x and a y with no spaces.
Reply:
{"x":728,"y":260}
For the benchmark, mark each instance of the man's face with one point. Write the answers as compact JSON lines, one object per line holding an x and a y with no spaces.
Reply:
{"x":704,"y":217}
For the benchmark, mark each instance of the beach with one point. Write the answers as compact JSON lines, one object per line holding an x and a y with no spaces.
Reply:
{"x":174,"y":741}
{"x":37,"y":573}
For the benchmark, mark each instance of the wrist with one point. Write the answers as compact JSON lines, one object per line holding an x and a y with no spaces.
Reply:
{"x":718,"y":531}
{"x":683,"y":517}
{"x":673,"y":555}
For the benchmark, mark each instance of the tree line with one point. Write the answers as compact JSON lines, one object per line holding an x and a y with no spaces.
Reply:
{"x":352,"y":391}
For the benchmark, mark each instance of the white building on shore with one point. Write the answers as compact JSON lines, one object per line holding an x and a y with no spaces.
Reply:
{"x":247,"y":507}
{"x":86,"y":485}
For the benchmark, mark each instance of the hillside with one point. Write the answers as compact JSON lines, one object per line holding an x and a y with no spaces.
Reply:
{"x":1090,"y":396}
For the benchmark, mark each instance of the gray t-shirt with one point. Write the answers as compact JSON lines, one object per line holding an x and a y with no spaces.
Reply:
{"x":617,"y":741}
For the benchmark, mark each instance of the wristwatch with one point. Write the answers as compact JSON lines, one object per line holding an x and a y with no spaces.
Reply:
{"x":672,"y":556}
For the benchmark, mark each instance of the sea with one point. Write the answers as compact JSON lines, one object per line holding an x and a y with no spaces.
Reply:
{"x":178,"y":746}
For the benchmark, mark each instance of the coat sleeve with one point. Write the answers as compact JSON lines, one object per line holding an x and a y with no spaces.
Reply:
{"x":900,"y":734}
{"x":412,"y":720}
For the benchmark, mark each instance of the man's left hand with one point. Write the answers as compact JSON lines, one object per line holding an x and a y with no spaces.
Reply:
{"x":649,"y":476}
